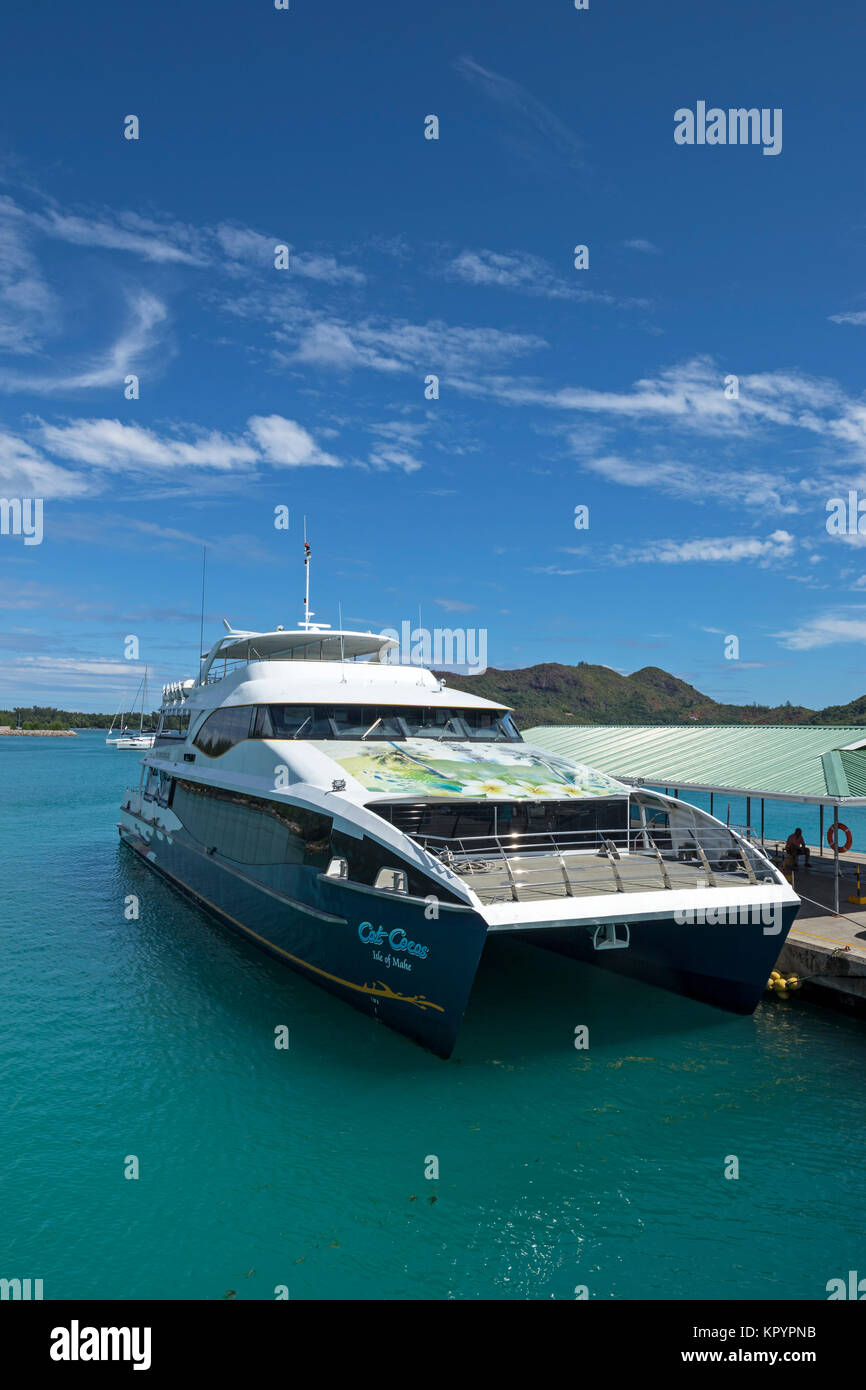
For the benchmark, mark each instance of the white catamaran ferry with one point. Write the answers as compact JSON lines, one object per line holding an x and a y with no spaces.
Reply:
{"x":372,"y":828}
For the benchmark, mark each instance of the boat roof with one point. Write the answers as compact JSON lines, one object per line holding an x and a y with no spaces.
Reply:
{"x":313,"y":643}
{"x":251,"y":667}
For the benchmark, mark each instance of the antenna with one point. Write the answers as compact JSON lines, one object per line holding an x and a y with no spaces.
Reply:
{"x":201,"y":623}
{"x":307,"y":614}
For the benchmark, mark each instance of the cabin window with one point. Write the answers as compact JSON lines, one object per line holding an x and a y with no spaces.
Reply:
{"x":290,"y":721}
{"x":263,"y":725}
{"x":583,"y":820}
{"x":174,"y":725}
{"x":165,"y":791}
{"x":383,"y":723}
{"x":224,"y":729}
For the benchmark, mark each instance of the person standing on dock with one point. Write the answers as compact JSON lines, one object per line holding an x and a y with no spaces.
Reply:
{"x":795,"y":845}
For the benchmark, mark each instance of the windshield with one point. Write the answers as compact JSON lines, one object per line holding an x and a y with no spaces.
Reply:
{"x":384,"y":722}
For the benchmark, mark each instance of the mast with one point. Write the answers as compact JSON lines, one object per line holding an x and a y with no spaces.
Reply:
{"x":307,"y":614}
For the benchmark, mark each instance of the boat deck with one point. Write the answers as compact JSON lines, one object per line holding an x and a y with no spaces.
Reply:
{"x":533,"y":877}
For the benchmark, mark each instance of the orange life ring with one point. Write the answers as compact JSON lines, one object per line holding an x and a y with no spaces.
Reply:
{"x":831,"y":838}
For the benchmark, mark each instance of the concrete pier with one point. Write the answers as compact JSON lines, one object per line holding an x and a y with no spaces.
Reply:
{"x":826,"y":951}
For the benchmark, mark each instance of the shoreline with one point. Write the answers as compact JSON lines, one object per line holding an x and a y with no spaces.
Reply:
{"x":7,"y":732}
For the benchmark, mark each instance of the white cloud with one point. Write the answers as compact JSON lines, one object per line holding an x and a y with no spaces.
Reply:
{"x":828,"y":629}
{"x":128,"y":352}
{"x":390,"y":456}
{"x":109,"y":444}
{"x":640,"y":243}
{"x":455,"y":605}
{"x":858,"y":317}
{"x":24,"y":472}
{"x":691,"y":395}
{"x":517,"y":271}
{"x":168,"y":244}
{"x":243,"y":244}
{"x":710,"y":481}
{"x":287,"y":443}
{"x":398,"y":346}
{"x":708,"y":550}
{"x":28,"y":308}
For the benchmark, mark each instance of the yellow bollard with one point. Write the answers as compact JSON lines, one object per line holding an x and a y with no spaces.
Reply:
{"x":858,"y":899}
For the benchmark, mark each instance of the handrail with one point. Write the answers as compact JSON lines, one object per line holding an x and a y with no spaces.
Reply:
{"x":612,"y":855}
{"x":559,"y":854}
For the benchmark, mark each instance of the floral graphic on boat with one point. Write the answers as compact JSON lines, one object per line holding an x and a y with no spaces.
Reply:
{"x":425,"y":767}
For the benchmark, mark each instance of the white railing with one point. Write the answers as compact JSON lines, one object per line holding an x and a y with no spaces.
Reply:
{"x":563,"y":860}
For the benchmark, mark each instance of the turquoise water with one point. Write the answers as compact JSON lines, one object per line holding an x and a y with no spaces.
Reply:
{"x":305,"y":1167}
{"x":781,"y":817}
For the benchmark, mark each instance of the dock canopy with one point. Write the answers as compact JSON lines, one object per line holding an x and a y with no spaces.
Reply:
{"x":823,"y":764}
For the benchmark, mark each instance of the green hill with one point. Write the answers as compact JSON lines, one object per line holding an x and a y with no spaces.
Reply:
{"x":586,"y":694}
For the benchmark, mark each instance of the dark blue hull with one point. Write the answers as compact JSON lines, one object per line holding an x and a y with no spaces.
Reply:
{"x":725,"y":965}
{"x":378,"y":952}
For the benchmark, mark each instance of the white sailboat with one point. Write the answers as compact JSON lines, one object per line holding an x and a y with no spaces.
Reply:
{"x":141,"y":740}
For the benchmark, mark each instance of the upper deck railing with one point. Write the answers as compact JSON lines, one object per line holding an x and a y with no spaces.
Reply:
{"x":629,"y":858}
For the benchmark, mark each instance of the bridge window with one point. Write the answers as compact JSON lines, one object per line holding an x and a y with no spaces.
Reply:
{"x":224,"y":729}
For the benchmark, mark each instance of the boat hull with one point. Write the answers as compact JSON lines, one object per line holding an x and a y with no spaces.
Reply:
{"x":726,"y":965}
{"x":355,"y":944}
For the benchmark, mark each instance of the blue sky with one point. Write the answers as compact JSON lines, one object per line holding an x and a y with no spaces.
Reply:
{"x":304,"y":387}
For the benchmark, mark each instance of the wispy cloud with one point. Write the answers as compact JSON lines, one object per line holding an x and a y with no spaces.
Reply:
{"x":456,"y":605}
{"x":168,"y":243}
{"x":640,"y":243}
{"x":531,"y":122}
{"x":28,"y":308}
{"x":690,"y":398}
{"x":825,"y":630}
{"x":128,"y":353}
{"x":857,"y":316}
{"x":707,"y":550}
{"x":398,"y":346}
{"x":707,"y":482}
{"x":522,"y":272}
{"x":241,"y":244}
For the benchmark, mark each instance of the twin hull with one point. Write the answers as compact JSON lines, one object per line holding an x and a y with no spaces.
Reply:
{"x":392,"y":958}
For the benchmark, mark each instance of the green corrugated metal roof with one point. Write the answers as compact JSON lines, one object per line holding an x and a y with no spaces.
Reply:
{"x":854,"y":765}
{"x":795,"y":761}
